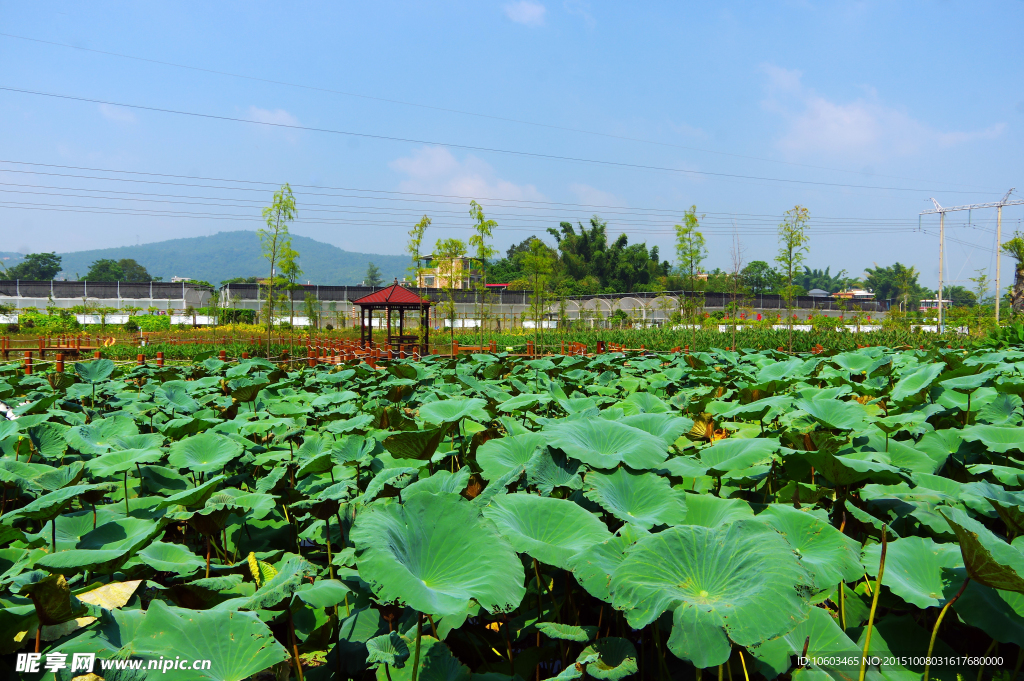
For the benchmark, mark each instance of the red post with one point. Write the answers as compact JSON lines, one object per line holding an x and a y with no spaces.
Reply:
{"x":141,"y":359}
{"x":28,"y":363}
{"x":60,"y":362}
{"x":223,"y":355}
{"x":159,"y":359}
{"x":96,"y":355}
{"x":245,"y":355}
{"x":310,"y":358}
{"x":42,"y":344}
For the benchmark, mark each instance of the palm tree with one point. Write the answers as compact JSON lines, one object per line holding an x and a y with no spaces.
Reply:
{"x":1015,"y":247}
{"x":906,"y":281}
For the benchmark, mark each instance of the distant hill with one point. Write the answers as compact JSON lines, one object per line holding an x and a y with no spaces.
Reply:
{"x":226,"y":255}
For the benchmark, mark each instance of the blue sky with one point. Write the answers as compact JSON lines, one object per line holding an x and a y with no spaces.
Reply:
{"x":860,"y":111}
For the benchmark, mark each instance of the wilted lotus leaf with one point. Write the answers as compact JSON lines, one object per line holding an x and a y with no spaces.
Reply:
{"x":989,"y":560}
{"x":425,"y":553}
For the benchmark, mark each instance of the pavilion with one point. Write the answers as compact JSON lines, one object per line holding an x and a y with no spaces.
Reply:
{"x":400,"y":299}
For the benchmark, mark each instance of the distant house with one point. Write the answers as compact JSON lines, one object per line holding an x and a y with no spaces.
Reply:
{"x":464,"y":271}
{"x":819,"y":293}
{"x":178,"y":280}
{"x":855,"y":294}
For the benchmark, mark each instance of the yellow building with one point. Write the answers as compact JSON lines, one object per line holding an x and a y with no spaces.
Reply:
{"x":463,"y":271}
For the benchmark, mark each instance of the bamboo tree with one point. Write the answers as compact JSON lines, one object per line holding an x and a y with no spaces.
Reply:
{"x":793,"y":248}
{"x":691,"y":250}
{"x":537,"y":263}
{"x":291,"y":271}
{"x":413,"y":248}
{"x":273,"y":241}
{"x":449,"y":254}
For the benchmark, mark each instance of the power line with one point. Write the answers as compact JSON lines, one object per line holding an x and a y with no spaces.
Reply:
{"x":468,"y":147}
{"x":450,"y":110}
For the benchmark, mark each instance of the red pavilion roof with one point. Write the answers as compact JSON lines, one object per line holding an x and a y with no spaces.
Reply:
{"x":392,"y":295}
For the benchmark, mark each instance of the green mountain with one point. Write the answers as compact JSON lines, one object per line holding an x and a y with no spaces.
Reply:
{"x":237,"y":254}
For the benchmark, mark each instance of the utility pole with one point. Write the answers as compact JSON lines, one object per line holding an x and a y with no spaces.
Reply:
{"x":998,"y":205}
{"x":999,"y":247}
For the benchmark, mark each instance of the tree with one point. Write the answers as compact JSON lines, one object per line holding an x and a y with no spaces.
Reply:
{"x":126,"y":269}
{"x":821,"y":279}
{"x":760,"y":277}
{"x":538,"y":264}
{"x":448,"y":254}
{"x":1015,"y":247}
{"x":793,"y":249}
{"x":415,"y":243}
{"x":906,"y":282}
{"x":889,"y":283}
{"x":240,"y":280}
{"x":960,"y":296}
{"x":483,"y":230}
{"x":273,"y":239}
{"x":981,"y":286}
{"x":373,"y":276}
{"x":691,"y":248}
{"x":36,"y":267}
{"x":290,"y":271}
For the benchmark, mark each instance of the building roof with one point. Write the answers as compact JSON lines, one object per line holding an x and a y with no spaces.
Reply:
{"x":396,"y":294}
{"x":818,"y":293}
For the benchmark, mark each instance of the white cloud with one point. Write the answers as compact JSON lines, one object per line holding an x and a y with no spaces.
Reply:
{"x":275,"y":117}
{"x":592,"y":196}
{"x":862,"y":129}
{"x":118,"y":114}
{"x":434,"y":170}
{"x":526,"y":12}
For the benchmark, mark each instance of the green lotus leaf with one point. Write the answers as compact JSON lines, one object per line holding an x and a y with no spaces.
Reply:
{"x":454,"y":410}
{"x":665,"y":426}
{"x":175,"y":558}
{"x":95,"y":371}
{"x":642,"y":498}
{"x":733,"y":454}
{"x":918,"y":570}
{"x":741,"y":583}
{"x":279,"y":589}
{"x":523,"y":402}
{"x":827,"y":642}
{"x":1000,"y":614}
{"x":48,"y":439}
{"x":441,"y":482}
{"x":324,"y":593}
{"x":995,"y":438}
{"x":594,"y":566}
{"x":828,"y":554}
{"x":643,"y":403}
{"x":174,"y":395}
{"x":610,"y":658}
{"x":407,"y":555}
{"x":388,"y":649}
{"x":567,"y":632}
{"x":711,"y":511}
{"x":101,"y":435}
{"x":121,"y":460}
{"x":50,"y":505}
{"x":969,"y":383}
{"x":195,"y":496}
{"x":71,"y":474}
{"x":204,"y":453}
{"x":550,"y":469}
{"x":913,"y":383}
{"x":127,"y":534}
{"x":104,"y":561}
{"x":500,"y":456}
{"x":989,"y":560}
{"x":414,"y":444}
{"x":436,"y":664}
{"x":548,"y":529}
{"x":247,"y":390}
{"x":835,"y":414}
{"x":241,"y":647}
{"x":605,"y":444}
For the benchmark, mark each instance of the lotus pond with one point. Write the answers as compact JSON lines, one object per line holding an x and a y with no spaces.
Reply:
{"x":659,"y":517}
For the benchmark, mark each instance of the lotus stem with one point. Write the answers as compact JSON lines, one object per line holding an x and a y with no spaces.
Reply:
{"x":387,"y":671}
{"x":39,"y":630}
{"x":433,"y":629}
{"x":508,"y":644}
{"x":126,"y":511}
{"x":295,"y":645}
{"x":743,"y":662}
{"x":416,"y":656}
{"x":988,"y":651}
{"x":1020,"y":661}
{"x":330,"y":566}
{"x":140,"y":477}
{"x":53,"y":534}
{"x":207,"y":556}
{"x":662,"y":665}
{"x":842,"y":605}
{"x":874,"y":606}
{"x":938,"y":623}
